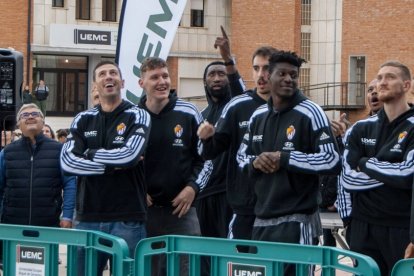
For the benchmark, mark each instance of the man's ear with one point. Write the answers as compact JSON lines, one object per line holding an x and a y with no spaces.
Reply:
{"x":407,"y":85}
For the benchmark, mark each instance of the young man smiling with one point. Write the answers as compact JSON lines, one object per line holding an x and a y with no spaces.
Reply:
{"x":288,"y":144}
{"x":104,"y":149}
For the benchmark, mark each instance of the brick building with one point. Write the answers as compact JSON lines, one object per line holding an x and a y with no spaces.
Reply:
{"x":344,"y":42}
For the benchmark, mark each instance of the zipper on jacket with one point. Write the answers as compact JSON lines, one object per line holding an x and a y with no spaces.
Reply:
{"x":31,"y":189}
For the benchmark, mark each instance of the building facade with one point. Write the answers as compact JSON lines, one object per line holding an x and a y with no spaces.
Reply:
{"x":344,"y":42}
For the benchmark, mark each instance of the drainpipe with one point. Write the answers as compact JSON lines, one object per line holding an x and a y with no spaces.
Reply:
{"x":28,"y":49}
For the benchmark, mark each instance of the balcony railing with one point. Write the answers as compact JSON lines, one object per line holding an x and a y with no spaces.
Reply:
{"x":337,"y":95}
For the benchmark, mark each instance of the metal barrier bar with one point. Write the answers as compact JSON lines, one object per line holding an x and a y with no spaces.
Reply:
{"x":261,"y":257}
{"x":403,"y":268}
{"x":28,"y":248}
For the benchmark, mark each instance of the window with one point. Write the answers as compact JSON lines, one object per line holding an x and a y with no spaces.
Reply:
{"x":197,"y":13}
{"x":306,"y":12}
{"x":357,"y":75}
{"x":83,"y":9}
{"x":305,"y":45}
{"x":67,"y":79}
{"x":304,"y":80}
{"x":109,"y":10}
{"x":58,"y":3}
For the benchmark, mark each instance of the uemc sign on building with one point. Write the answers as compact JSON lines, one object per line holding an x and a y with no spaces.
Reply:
{"x":92,"y":37}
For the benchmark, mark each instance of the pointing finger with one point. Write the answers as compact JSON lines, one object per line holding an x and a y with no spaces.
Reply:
{"x":223,"y":32}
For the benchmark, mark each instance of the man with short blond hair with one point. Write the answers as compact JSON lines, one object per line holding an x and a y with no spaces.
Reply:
{"x":378,"y":171}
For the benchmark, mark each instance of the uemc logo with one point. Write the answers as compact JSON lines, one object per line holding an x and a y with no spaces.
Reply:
{"x":234,"y":269}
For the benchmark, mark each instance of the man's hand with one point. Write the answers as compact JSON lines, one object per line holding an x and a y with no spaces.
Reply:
{"x":340,"y":126}
{"x":205,"y":130}
{"x":149,"y":200}
{"x":65,"y":223}
{"x":409,"y":251}
{"x":267,"y":162}
{"x":223,"y":43}
{"x":182,"y":202}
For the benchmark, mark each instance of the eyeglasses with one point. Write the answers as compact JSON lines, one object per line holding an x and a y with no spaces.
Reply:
{"x":26,"y":115}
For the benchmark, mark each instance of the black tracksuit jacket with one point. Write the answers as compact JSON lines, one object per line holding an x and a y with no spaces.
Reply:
{"x":229,"y":133}
{"x":104,"y":149}
{"x":378,"y":169}
{"x":172,"y":161}
{"x":212,"y":113}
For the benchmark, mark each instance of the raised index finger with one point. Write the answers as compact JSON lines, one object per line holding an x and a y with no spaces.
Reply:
{"x":223,"y":32}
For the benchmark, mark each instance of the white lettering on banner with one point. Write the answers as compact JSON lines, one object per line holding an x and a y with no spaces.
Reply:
{"x":147,"y":29}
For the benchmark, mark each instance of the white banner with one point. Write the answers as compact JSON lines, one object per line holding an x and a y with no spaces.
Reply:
{"x":147,"y":28}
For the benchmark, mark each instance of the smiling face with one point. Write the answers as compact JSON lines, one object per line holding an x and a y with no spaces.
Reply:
{"x":284,"y":81}
{"x":31,"y":122}
{"x":156,"y":84}
{"x":108,"y":81}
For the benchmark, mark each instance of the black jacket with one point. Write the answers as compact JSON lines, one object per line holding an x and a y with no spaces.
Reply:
{"x":303,"y":135}
{"x":172,"y":161}
{"x":33,"y":191}
{"x":104,"y":149}
{"x":229,"y":133}
{"x":383,"y":153}
{"x":217,"y":182}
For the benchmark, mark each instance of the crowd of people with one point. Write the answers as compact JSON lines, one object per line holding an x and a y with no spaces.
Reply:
{"x":255,"y":164}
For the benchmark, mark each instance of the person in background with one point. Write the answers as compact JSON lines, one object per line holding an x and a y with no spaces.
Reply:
{"x":228,"y":134}
{"x":61,"y":135}
{"x":27,"y":95}
{"x":94,"y":96}
{"x":48,"y":132}
{"x":41,"y":93}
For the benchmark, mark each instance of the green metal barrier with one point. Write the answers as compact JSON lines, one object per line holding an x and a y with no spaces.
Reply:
{"x":403,"y":268}
{"x":31,"y":250}
{"x":266,"y":259}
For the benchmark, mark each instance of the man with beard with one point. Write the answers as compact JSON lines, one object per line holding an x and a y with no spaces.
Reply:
{"x":221,"y":83}
{"x":228,"y":135}
{"x":378,"y":170}
{"x":344,"y":201}
{"x":289,"y":142}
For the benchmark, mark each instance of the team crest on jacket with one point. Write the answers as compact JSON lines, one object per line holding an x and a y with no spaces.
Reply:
{"x":120,"y":129}
{"x":290,"y":132}
{"x":402,"y":136}
{"x":178,"y":130}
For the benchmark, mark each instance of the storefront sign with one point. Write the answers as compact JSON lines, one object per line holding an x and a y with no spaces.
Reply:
{"x":92,"y":37}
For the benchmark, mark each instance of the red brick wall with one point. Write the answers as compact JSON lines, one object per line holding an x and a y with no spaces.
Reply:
{"x":263,"y":22}
{"x":13,"y":27}
{"x":173,"y":70}
{"x":379,"y":33}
